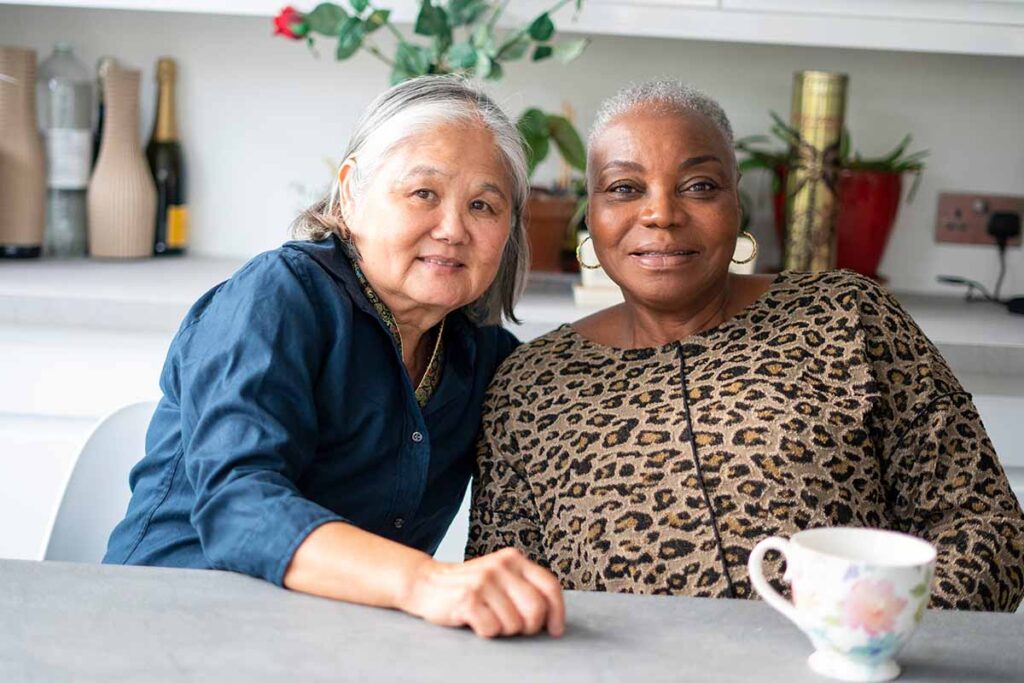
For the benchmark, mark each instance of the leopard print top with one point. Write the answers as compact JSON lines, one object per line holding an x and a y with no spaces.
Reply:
{"x":657,"y":470}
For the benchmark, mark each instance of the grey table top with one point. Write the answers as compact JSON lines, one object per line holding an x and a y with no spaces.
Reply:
{"x":89,"y":622}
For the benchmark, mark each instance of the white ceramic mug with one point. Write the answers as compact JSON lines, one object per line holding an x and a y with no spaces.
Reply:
{"x":858,"y":594}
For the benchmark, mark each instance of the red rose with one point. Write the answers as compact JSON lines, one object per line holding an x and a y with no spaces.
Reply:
{"x":290,"y":23}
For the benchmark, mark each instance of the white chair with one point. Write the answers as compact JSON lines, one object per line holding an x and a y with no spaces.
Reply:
{"x":96,"y":494}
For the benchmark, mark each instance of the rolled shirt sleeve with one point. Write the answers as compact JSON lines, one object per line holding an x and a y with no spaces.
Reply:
{"x":249,"y":418}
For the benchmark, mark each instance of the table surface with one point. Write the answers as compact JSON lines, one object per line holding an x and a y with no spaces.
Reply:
{"x":63,"y":621}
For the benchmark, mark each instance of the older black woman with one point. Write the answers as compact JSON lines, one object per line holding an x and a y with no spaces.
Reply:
{"x":320,"y":407}
{"x":647,"y":448}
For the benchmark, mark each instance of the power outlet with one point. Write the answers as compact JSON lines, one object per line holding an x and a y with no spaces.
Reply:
{"x":963,"y":218}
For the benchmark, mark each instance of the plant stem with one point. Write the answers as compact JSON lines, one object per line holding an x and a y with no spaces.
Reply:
{"x":390,"y":27}
{"x":375,"y":51}
{"x":525,"y":29}
{"x":497,"y":13}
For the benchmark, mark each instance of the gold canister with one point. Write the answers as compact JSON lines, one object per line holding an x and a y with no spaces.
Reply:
{"x":819,"y":107}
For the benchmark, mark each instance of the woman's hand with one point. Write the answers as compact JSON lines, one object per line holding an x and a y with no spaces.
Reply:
{"x":499,"y":594}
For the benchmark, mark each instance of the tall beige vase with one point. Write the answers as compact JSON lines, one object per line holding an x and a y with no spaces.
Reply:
{"x":122,"y":194}
{"x":22,"y":162}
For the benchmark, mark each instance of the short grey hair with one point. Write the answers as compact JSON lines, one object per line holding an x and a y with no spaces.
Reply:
{"x":660,"y":96}
{"x":405,"y":110}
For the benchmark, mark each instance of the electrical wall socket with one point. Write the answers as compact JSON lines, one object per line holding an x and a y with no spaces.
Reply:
{"x":963,"y":218}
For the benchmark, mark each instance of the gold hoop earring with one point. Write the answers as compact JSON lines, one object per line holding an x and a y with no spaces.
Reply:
{"x":753,"y":249}
{"x":579,"y":255}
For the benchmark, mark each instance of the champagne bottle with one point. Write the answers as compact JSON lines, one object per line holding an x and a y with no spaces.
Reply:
{"x":167,"y":164}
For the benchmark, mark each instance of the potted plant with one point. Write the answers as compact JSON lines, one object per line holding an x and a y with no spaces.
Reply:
{"x":869,"y":192}
{"x":462,"y":37}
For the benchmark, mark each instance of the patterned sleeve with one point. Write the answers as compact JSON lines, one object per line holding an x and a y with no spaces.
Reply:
{"x":943,"y":479}
{"x":503,"y":512}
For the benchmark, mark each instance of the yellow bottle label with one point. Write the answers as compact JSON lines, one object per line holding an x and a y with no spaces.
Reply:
{"x":177,"y":226}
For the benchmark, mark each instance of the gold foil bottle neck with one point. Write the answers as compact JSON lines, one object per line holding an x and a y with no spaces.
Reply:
{"x":166,"y":70}
{"x":166,"y":127}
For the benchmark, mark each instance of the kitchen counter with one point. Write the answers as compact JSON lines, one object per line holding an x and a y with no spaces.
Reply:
{"x":100,"y":623}
{"x":154,"y":294}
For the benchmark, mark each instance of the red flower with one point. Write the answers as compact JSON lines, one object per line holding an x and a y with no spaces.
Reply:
{"x":290,"y":23}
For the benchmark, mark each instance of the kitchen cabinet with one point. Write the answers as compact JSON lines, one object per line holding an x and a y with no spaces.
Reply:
{"x":989,"y":27}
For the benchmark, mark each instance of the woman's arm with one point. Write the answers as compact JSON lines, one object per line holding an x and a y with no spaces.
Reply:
{"x":250,"y":428}
{"x":948,"y":487}
{"x":500,"y":594}
{"x":943,"y":479}
{"x":503,"y":513}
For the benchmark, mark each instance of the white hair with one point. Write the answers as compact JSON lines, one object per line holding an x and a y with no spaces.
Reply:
{"x":661,"y":96}
{"x":408,"y":109}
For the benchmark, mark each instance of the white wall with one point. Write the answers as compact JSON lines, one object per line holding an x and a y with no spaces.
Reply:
{"x":259,"y":115}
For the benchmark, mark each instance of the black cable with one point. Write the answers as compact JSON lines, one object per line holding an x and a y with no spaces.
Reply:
{"x":1002,"y":271}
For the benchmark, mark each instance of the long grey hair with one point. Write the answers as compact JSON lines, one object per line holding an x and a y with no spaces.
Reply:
{"x":410,"y":108}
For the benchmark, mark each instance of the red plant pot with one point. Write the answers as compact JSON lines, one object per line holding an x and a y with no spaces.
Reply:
{"x":868,"y":203}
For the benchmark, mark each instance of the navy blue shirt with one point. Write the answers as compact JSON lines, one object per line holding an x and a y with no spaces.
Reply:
{"x":286,"y":405}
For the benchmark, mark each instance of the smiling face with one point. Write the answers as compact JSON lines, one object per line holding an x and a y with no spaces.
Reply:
{"x":664,"y":209}
{"x":433,"y":220}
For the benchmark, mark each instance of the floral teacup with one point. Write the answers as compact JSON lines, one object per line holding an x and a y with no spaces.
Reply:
{"x":858,"y":594}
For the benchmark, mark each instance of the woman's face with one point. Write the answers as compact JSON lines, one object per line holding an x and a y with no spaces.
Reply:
{"x":433,"y":220}
{"x":664,"y":209}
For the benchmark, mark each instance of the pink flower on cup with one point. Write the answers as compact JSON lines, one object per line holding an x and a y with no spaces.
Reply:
{"x":872,"y":606}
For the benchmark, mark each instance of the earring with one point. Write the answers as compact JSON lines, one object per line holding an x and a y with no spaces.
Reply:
{"x":579,"y":255}
{"x":753,"y":249}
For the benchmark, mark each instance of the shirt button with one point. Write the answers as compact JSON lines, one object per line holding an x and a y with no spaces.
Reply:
{"x":399,"y":522}
{"x":417,"y":437}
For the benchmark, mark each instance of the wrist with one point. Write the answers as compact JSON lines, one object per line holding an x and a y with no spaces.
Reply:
{"x":412,"y":575}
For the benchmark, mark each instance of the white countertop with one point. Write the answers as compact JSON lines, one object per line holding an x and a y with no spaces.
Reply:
{"x":153,"y":295}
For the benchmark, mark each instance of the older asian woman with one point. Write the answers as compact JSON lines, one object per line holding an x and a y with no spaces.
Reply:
{"x":648,"y":447}
{"x":320,"y":407}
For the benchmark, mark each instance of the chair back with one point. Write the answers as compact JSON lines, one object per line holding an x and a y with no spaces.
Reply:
{"x":96,"y":495}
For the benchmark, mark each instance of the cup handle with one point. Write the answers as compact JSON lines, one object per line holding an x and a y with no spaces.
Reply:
{"x":761,"y":585}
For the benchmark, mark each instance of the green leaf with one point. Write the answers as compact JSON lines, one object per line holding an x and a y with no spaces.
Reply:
{"x":411,"y":61}
{"x":496,"y":71}
{"x":462,"y":56}
{"x":570,"y":50}
{"x":432,"y":20}
{"x":754,"y":163}
{"x":514,"y":49}
{"x":350,"y":38}
{"x":542,"y":28}
{"x":536,"y":152}
{"x":533,"y":126}
{"x":568,"y":141}
{"x":359,"y":5}
{"x":326,"y":19}
{"x":464,"y":12}
{"x":533,"y":123}
{"x":483,"y":66}
{"x":542,"y":52}
{"x":483,"y":39}
{"x":440,"y":46}
{"x":377,"y":18}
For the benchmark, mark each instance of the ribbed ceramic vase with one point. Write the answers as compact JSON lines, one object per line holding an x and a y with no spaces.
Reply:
{"x":122,"y":194}
{"x":22,"y":162}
